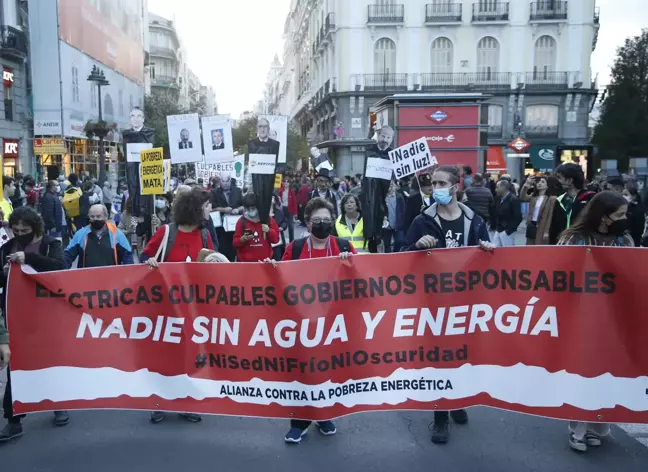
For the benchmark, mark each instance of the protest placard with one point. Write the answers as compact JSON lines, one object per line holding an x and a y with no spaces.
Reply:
{"x":412,"y":158}
{"x":152,"y":171}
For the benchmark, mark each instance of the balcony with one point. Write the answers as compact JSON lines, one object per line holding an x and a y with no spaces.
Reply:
{"x":477,"y":81}
{"x":329,"y":24}
{"x":13,"y":43}
{"x":548,"y":11}
{"x":161,"y":51}
{"x":540,"y":131}
{"x":545,"y":80}
{"x":386,"y":14}
{"x":443,"y":13}
{"x":490,"y":12}
{"x":395,"y":82}
{"x":164,"y":81}
{"x":495,"y":131}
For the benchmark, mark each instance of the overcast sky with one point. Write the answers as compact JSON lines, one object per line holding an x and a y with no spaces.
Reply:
{"x":231,"y":43}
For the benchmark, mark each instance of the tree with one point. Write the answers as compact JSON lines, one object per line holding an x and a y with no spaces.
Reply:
{"x":156,"y":108}
{"x":622,"y":131}
{"x":297,"y":145}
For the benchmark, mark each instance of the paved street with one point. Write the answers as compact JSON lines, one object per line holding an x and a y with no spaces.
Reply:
{"x":493,"y":441}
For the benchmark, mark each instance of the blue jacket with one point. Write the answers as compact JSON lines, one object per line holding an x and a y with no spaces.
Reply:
{"x":52,"y":212}
{"x":76,"y":248}
{"x":427,"y":223}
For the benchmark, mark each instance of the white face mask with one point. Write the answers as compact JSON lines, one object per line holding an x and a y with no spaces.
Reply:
{"x":160,"y":204}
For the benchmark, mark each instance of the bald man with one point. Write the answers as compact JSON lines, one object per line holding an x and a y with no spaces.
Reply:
{"x":263,"y":143}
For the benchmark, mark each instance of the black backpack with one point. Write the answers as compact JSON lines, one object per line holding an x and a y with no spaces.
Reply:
{"x":173,"y":231}
{"x":298,"y":247}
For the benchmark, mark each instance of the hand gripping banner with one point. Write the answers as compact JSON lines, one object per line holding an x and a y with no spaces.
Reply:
{"x":552,"y":331}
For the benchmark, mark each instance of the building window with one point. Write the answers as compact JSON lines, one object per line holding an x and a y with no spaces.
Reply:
{"x":442,"y":56}
{"x":541,"y":120}
{"x":544,"y":61}
{"x":152,"y":71}
{"x":495,"y":120}
{"x":8,"y":102}
{"x":385,"y":57}
{"x":75,"y":85}
{"x":487,"y":58}
{"x":121,"y":103}
{"x":94,"y":95}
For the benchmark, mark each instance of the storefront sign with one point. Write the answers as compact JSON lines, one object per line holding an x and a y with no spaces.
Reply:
{"x":543,"y":156}
{"x":49,"y":146}
{"x":443,"y":117}
{"x":44,"y":127}
{"x":10,"y":147}
{"x":7,"y":76}
{"x":442,"y":138}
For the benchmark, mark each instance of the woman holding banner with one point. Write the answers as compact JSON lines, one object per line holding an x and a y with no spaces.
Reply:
{"x":603,"y":222}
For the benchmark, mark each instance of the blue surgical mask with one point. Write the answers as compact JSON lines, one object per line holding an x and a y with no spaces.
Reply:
{"x":160,"y":204}
{"x":442,"y":196}
{"x":252,"y":213}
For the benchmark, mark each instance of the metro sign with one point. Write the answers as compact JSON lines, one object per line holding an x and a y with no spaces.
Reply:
{"x":439,"y":116}
{"x":519,"y":145}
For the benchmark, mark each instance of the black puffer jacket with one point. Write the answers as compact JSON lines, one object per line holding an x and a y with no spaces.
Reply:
{"x":480,"y":199}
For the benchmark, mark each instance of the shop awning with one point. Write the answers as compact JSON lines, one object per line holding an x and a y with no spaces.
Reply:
{"x":495,"y":161}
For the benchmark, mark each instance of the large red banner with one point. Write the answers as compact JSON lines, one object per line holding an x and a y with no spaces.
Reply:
{"x":553,"y":331}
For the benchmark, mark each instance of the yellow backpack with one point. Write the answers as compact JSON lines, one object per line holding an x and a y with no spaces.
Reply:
{"x":71,"y":201}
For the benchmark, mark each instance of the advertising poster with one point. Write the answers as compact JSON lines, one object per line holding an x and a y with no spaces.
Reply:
{"x":184,"y":138}
{"x":108,"y":31}
{"x":277,"y":131}
{"x":224,"y":170}
{"x":152,"y":171}
{"x":323,"y":338}
{"x":217,"y":138}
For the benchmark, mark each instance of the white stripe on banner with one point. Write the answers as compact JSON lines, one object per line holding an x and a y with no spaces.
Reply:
{"x":526,"y":385}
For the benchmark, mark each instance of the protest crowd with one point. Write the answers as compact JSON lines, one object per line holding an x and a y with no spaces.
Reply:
{"x":74,"y":223}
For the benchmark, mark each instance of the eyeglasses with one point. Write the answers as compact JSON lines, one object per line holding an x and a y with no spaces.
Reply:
{"x":317,"y":221}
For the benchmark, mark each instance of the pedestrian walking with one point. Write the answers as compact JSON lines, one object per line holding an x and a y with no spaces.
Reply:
{"x":318,"y":214}
{"x":603,"y":222}
{"x":447,"y":223}
{"x":31,"y":246}
{"x":507,"y":215}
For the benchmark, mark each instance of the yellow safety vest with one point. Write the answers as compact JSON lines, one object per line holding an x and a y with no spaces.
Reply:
{"x":356,"y":238}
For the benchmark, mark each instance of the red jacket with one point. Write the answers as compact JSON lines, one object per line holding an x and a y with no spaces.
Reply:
{"x":304,"y":194}
{"x":292,"y":199}
{"x":255,"y":249}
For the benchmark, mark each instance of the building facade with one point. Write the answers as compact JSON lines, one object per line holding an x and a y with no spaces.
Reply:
{"x":15,"y":113}
{"x":533,"y":58}
{"x":165,"y":64}
{"x":65,"y":46}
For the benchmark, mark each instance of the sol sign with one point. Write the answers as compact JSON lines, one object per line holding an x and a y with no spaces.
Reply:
{"x":10,"y":147}
{"x":519,"y":145}
{"x":7,"y":76}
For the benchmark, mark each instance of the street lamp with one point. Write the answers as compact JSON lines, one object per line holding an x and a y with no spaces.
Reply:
{"x":97,"y":76}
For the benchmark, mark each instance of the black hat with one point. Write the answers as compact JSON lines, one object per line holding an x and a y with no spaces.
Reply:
{"x":324,"y":172}
{"x":425,"y":180}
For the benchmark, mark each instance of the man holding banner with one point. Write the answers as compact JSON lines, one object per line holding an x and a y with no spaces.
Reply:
{"x":447,"y":224}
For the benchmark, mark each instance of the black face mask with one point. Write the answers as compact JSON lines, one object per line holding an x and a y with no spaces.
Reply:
{"x":24,"y":239}
{"x":322,"y":230}
{"x":97,"y":224}
{"x":618,"y":227}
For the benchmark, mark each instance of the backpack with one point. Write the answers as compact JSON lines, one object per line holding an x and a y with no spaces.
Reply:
{"x":170,"y":233}
{"x":298,"y":247}
{"x":72,"y":202}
